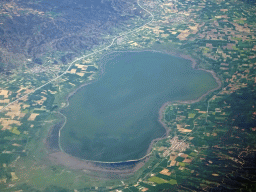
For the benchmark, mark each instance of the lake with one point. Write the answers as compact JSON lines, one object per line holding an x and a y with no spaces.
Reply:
{"x":115,"y":118}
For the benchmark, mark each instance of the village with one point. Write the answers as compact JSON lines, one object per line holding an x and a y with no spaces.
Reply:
{"x":210,"y":142}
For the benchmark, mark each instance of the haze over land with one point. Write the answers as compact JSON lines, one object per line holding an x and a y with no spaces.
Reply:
{"x":49,"y":49}
{"x":31,"y":31}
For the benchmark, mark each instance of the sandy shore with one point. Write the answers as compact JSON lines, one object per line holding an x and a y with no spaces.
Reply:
{"x":64,"y":159}
{"x":75,"y":163}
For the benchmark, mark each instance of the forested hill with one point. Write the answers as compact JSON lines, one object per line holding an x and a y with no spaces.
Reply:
{"x":64,"y":28}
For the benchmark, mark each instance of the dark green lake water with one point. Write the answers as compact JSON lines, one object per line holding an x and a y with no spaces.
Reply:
{"x":116,"y":117}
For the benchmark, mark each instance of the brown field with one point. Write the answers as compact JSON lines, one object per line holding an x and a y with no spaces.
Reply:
{"x":164,"y":35}
{"x":183,"y":34}
{"x":14,"y":177}
{"x":4,"y":93}
{"x":173,"y":163}
{"x":24,"y":106}
{"x":165,"y":172}
{"x":73,"y":71}
{"x":80,"y":74}
{"x":181,"y":129}
{"x":41,"y":101}
{"x":5,"y":101}
{"x":14,"y":111}
{"x":6,"y":123}
{"x":82,"y":67}
{"x":33,"y":116}
{"x":187,"y":161}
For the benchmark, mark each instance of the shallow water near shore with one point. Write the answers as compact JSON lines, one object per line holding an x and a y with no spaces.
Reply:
{"x":116,"y":117}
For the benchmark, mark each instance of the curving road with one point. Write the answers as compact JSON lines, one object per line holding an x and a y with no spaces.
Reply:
{"x":70,"y":65}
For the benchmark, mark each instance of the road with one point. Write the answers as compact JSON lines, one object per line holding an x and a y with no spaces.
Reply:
{"x":85,"y":56}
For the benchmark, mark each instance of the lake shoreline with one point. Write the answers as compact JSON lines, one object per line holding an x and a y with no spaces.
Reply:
{"x":162,"y":109}
{"x":88,"y":164}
